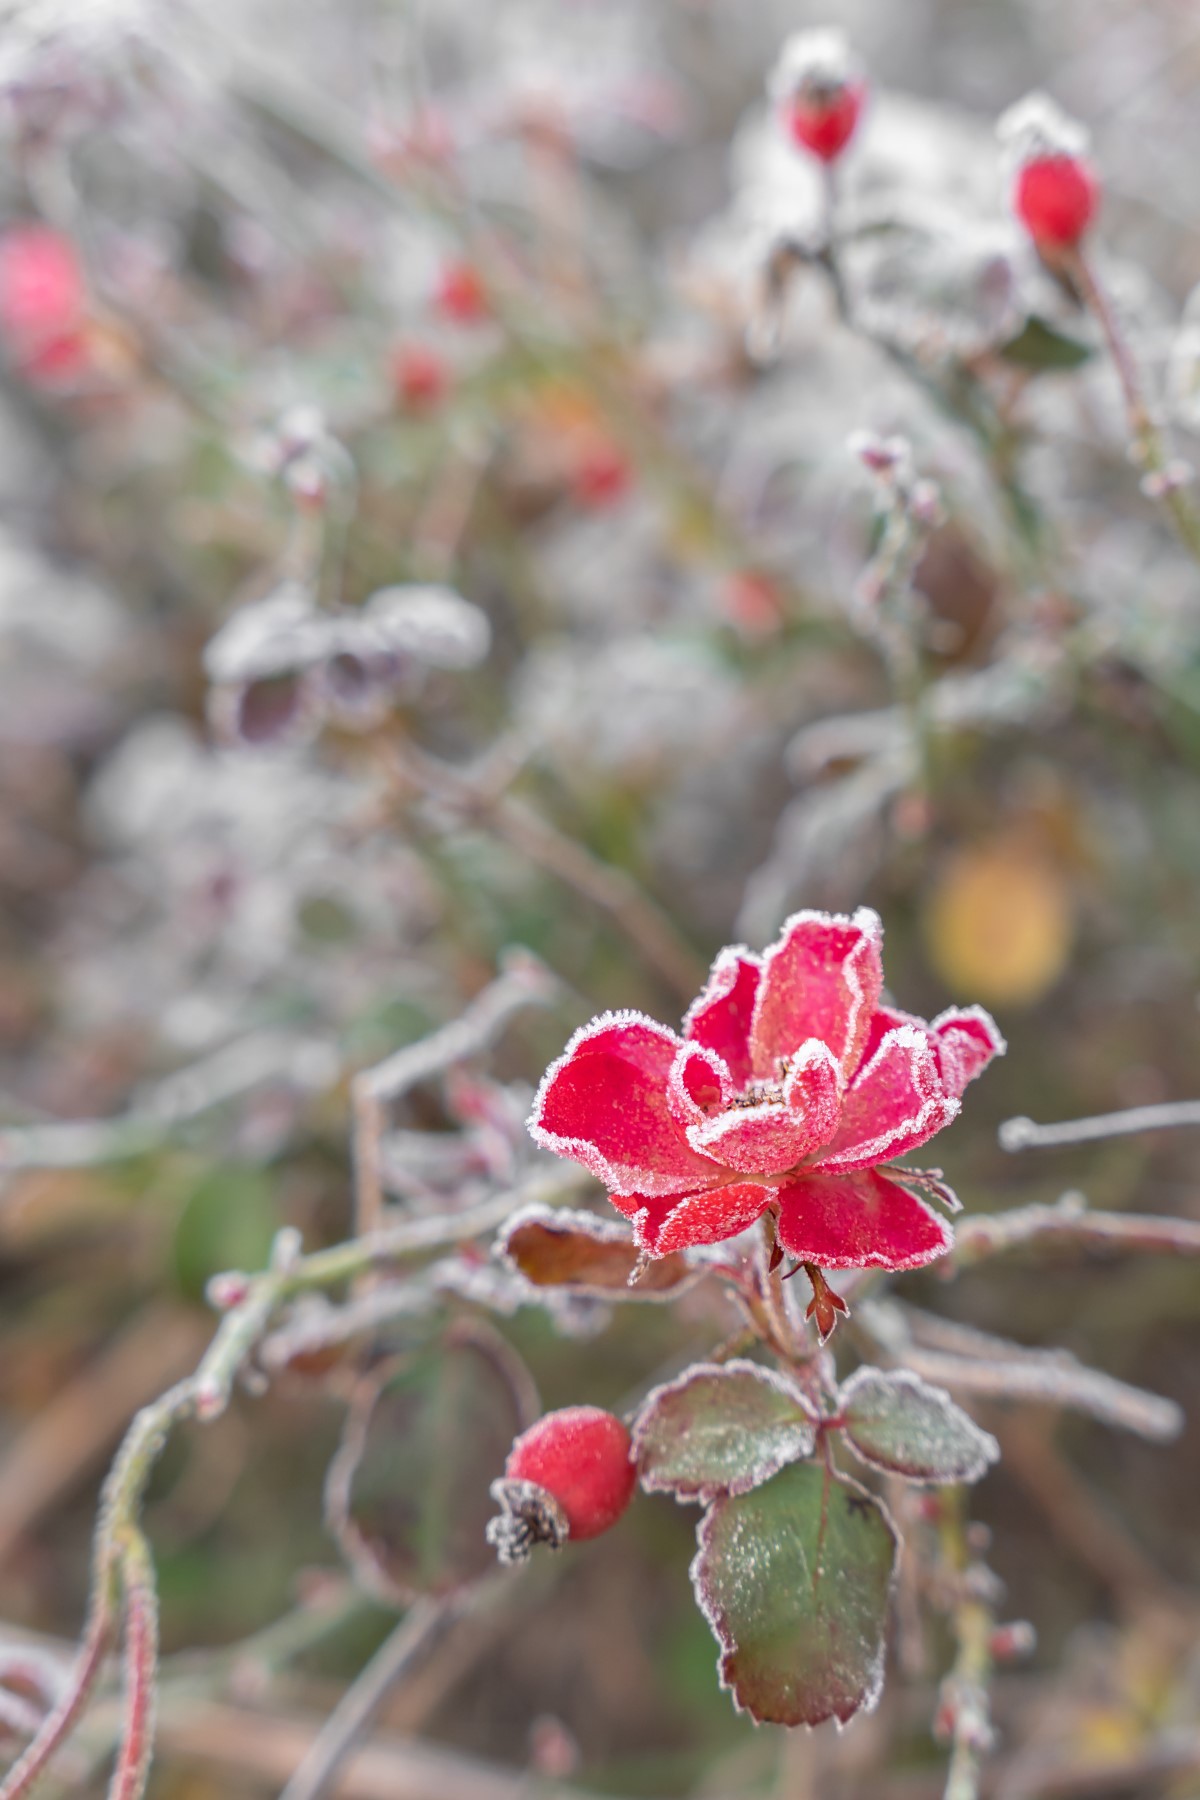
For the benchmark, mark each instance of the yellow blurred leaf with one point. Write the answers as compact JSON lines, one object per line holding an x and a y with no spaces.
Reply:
{"x":999,"y":922}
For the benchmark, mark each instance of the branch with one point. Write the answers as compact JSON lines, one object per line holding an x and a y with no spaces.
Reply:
{"x":1068,"y":1222}
{"x":524,"y":981}
{"x":1024,"y":1134}
{"x":612,"y":890}
{"x":423,"y":1627}
{"x":234,"y":1069}
{"x":974,"y":1362}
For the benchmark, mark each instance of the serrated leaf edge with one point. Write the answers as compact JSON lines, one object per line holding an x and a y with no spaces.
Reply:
{"x":988,"y":1450}
{"x":707,"y":1492}
{"x":728,"y":1645}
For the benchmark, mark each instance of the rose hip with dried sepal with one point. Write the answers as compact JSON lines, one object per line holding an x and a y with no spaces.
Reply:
{"x":1055,"y":192}
{"x":568,"y":1476}
{"x":819,"y":88}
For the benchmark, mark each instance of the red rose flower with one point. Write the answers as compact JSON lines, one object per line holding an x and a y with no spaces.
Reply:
{"x":791,"y":1088}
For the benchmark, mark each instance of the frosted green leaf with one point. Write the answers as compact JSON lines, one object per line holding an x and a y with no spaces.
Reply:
{"x":794,"y":1579}
{"x":720,"y":1429}
{"x":899,"y":1423}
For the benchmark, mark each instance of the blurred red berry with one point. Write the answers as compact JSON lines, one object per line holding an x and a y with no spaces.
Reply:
{"x":460,"y":295}
{"x":601,"y":476}
{"x":824,"y":121}
{"x":1056,"y":198}
{"x":420,"y":378}
{"x":751,"y":601}
{"x":43,"y":304}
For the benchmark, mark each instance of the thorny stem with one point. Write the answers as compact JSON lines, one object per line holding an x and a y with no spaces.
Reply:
{"x":141,"y":1661}
{"x":774,"y":1305}
{"x":1024,"y":1134}
{"x":1146,"y":442}
{"x":204,"y":1395}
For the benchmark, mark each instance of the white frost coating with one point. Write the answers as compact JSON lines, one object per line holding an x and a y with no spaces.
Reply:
{"x":1037,"y":127}
{"x":760,"y":1470}
{"x":865,"y":919}
{"x":811,"y":61}
{"x":683,"y":1107}
{"x":563,"y":1219}
{"x":665,"y":1246}
{"x":937,"y":1108}
{"x":722,"y":979}
{"x":432,"y":623}
{"x":943,"y":1025}
{"x":936,"y":1442}
{"x":618,"y":1178}
{"x":271,"y":636}
{"x":873,"y":1686}
{"x":874,"y":1260}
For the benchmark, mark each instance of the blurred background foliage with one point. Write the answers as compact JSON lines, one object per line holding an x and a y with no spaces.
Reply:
{"x":480,"y":294}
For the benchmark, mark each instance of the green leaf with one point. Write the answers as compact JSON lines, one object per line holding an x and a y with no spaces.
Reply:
{"x":794,"y":1579}
{"x":898,"y":1423}
{"x":720,"y":1429}
{"x":229,"y":1221}
{"x":407,"y":1493}
{"x":1039,"y":346}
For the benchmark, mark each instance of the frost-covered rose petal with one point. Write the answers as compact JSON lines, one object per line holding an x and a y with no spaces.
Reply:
{"x":698,"y":1084}
{"x":858,"y":1220}
{"x":605,"y":1103}
{"x":777,"y":1134}
{"x":895,"y":1102}
{"x":967,"y":1039}
{"x":662,"y":1223}
{"x":721,"y":1017}
{"x":821,"y":979}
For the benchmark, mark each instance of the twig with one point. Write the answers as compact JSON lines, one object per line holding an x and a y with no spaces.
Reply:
{"x":1025,"y":1134}
{"x":963,"y":1702}
{"x":523,"y":982}
{"x":1068,"y":1222}
{"x":1161,"y":481}
{"x":975,"y":1362}
{"x":423,"y":1626}
{"x":611,"y":889}
{"x":141,"y":1661}
{"x":228,"y":1072}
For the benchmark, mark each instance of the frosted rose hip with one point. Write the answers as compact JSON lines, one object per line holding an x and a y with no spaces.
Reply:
{"x":820,"y":91}
{"x":570,"y":1475}
{"x":1055,"y":192}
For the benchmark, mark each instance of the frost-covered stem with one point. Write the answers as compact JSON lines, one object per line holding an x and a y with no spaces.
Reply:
{"x":828,"y":255}
{"x":1024,"y":1134}
{"x":524,"y":981}
{"x":187,"y":1094}
{"x":770,"y":1288}
{"x":421,"y":1629}
{"x":611,"y":889}
{"x":1146,"y":443}
{"x":141,"y":1667}
{"x":964,"y":1697}
{"x":58,"y":1724}
{"x":1068,"y":1222}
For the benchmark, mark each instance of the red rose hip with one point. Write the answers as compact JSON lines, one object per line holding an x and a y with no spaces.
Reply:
{"x":568,"y":1476}
{"x":1055,"y":193}
{"x":820,"y":91}
{"x":1055,"y":198}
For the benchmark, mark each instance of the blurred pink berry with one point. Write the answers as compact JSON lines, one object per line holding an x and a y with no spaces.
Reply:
{"x":43,"y":305}
{"x":825,"y":123}
{"x":460,"y":295}
{"x":601,"y":476}
{"x":420,"y":378}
